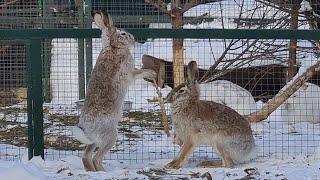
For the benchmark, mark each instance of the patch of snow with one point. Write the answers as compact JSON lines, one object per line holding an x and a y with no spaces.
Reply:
{"x":230,"y":94}
{"x":18,"y":171}
{"x":8,"y":127}
{"x":140,"y":91}
{"x":169,"y":7}
{"x":303,"y":105}
{"x":305,"y":6}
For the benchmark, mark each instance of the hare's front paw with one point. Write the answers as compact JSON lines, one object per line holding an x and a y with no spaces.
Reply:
{"x":144,"y":73}
{"x":177,"y":141}
{"x":149,"y":74}
{"x":175,"y":164}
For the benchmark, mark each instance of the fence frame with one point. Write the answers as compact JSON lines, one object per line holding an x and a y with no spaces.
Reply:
{"x":33,"y":38}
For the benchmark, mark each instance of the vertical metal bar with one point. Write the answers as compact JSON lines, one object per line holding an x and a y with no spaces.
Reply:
{"x":88,"y":60}
{"x":37,"y":96}
{"x":46,"y":52}
{"x":47,"y":64}
{"x":88,"y":45}
{"x":81,"y":65}
{"x":29,"y":102}
{"x":81,"y":70}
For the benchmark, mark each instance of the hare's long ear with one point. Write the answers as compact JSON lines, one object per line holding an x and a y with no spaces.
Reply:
{"x":103,"y":20}
{"x":192,"y":76}
{"x":107,"y":19}
{"x":192,"y":72}
{"x":98,"y":20}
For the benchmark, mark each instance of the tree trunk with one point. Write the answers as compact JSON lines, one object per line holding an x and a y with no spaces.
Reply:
{"x":292,"y":63}
{"x":276,"y":101}
{"x":177,"y":46}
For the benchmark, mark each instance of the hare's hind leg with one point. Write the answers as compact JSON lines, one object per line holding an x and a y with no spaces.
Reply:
{"x":98,"y":157}
{"x":226,"y":159}
{"x":186,"y":149}
{"x":87,"y":158}
{"x":177,"y":141}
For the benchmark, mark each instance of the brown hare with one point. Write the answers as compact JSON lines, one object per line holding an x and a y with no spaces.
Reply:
{"x":111,"y":76}
{"x":198,"y":122}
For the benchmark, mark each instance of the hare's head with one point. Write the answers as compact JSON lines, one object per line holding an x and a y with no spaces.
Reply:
{"x":189,"y":89}
{"x":116,"y":37}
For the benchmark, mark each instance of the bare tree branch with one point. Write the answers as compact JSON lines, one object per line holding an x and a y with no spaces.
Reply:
{"x":162,"y":6}
{"x":196,"y":19}
{"x":260,"y":51}
{"x":216,"y":63}
{"x":279,"y":99}
{"x":224,"y":70}
{"x":8,"y":3}
{"x":190,"y":4}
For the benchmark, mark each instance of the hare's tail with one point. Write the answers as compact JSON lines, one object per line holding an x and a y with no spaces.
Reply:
{"x":80,"y":136}
{"x":253,"y":153}
{"x":245,"y":154}
{"x":250,"y":155}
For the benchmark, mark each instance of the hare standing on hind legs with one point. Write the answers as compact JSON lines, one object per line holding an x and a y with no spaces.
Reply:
{"x":197,"y":122}
{"x":111,"y":76}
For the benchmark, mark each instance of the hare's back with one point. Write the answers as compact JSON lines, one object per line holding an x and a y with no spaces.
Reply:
{"x":223,"y":119}
{"x":109,"y":81}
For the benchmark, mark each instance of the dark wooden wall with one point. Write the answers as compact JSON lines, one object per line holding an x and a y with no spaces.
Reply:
{"x":263,"y":82}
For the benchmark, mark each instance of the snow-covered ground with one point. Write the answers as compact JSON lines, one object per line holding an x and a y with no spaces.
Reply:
{"x":70,"y":168}
{"x":286,"y":152}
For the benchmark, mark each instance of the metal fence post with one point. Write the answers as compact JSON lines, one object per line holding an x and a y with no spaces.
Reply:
{"x":88,"y":41}
{"x":37,"y":96}
{"x":29,"y":101}
{"x":46,"y":52}
{"x":81,"y":64}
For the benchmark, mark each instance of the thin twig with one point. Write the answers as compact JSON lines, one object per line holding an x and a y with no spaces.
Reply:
{"x":8,"y":3}
{"x":164,"y":117}
{"x":196,"y":19}
{"x":159,"y":4}
{"x":191,"y":4}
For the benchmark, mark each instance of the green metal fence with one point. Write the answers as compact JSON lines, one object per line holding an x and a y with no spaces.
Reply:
{"x":33,"y":39}
{"x":44,"y":39}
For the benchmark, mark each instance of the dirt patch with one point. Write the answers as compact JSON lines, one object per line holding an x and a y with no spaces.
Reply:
{"x":57,"y":134}
{"x":63,"y":120}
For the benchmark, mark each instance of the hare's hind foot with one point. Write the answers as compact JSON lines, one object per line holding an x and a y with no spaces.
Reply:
{"x":227,"y":162}
{"x":97,"y":163}
{"x":98,"y":157}
{"x":87,"y":158}
{"x":211,"y":164}
{"x":175,"y":164}
{"x":187,"y":148}
{"x":225,"y":155}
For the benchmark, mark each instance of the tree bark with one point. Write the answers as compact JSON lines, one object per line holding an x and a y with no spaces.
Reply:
{"x":177,"y":46}
{"x":292,"y":63}
{"x":276,"y":101}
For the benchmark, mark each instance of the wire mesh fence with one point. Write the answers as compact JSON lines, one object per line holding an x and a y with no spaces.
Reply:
{"x":244,"y":74}
{"x":13,"y":91}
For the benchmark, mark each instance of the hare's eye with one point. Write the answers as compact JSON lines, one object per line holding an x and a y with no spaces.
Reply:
{"x":123,"y":34}
{"x":181,"y":91}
